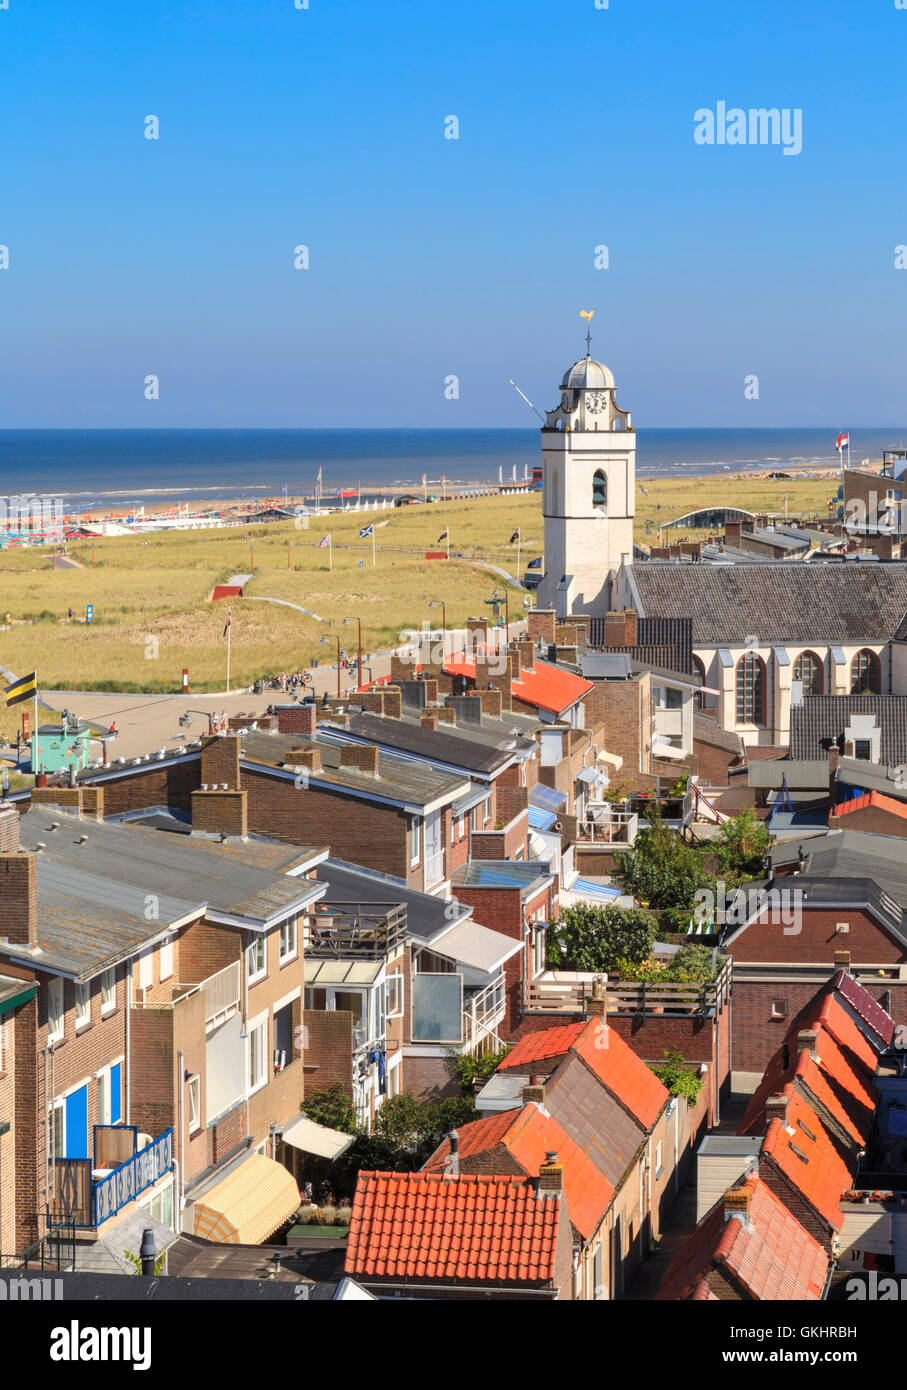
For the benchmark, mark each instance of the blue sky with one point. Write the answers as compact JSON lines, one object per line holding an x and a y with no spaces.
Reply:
{"x":433,"y":257}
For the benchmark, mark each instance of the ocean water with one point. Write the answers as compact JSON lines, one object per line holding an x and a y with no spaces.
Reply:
{"x":110,"y":467}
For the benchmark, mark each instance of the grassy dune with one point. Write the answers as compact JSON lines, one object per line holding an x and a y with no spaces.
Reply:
{"x":152,"y":617}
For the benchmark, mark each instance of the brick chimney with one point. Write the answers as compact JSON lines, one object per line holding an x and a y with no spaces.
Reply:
{"x":597,"y":1004}
{"x":629,"y":627}
{"x":220,"y":761}
{"x":429,"y":719}
{"x":9,"y":830}
{"x":842,"y":960}
{"x":807,"y":1041}
{"x":616,"y":629}
{"x":776,"y":1109}
{"x":220,"y":811}
{"x":541,"y":625}
{"x":737,"y":1205}
{"x":527,"y":654}
{"x":363,"y":756}
{"x":551,"y":1174}
{"x":19,"y":897}
{"x":535,"y":1091}
{"x":309,"y":758}
{"x":298,"y":719}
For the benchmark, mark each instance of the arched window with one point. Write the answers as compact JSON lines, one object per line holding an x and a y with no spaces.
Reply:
{"x":698,"y":670}
{"x":808,"y":671}
{"x":865,"y":673}
{"x":750,"y":689}
{"x":599,"y":490}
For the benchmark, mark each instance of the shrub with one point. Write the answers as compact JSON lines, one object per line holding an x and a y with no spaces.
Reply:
{"x":331,"y":1107}
{"x":674,"y":1073}
{"x":470,"y":1069}
{"x":596,"y":938}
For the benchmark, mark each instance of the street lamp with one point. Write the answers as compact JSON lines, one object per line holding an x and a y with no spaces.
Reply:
{"x":337,"y":640}
{"x":358,"y":622}
{"x":443,"y":607}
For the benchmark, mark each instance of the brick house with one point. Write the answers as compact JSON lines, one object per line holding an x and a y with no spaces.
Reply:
{"x":163,"y":1038}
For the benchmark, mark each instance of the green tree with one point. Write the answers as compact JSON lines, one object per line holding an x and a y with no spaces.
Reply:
{"x":331,"y":1107}
{"x":595,"y":938}
{"x":660,"y":869}
{"x":742,"y":845}
{"x":693,"y":964}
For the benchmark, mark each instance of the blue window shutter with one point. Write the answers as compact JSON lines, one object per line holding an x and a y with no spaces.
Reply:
{"x":116,"y":1105}
{"x":77,"y":1124}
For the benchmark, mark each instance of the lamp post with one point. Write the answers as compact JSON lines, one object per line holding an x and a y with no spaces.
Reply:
{"x":358,"y":622}
{"x":443,"y":606}
{"x":337,"y":640}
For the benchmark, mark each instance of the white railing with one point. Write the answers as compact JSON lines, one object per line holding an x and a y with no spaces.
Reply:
{"x":434,"y":869}
{"x":482,"y":1012}
{"x":222,"y":992}
{"x":620,"y":828}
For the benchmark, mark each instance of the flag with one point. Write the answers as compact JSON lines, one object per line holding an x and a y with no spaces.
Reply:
{"x":227,"y":623}
{"x":515,"y":537}
{"x":842,"y":440}
{"x":586,"y":314}
{"x":535,"y":564}
{"x":325,"y":540}
{"x":443,"y":536}
{"x":366,"y":531}
{"x":25,"y":688}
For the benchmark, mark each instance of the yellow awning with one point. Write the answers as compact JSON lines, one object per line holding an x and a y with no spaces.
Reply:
{"x":249,"y":1204}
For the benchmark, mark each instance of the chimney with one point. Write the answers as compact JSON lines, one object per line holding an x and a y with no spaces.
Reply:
{"x":363,"y":756}
{"x":807,"y":1040}
{"x":535,"y":1091}
{"x":9,"y":830}
{"x":429,"y":719}
{"x":527,"y":654}
{"x":615,"y":629}
{"x":220,"y":761}
{"x":776,"y":1109}
{"x":842,"y":960}
{"x":551,"y":1174}
{"x":737,"y":1206}
{"x":19,"y":898}
{"x":629,"y":627}
{"x":597,"y":1003}
{"x":541,"y":625}
{"x":452,"y":1162}
{"x":298,"y":719}
{"x":309,"y":758}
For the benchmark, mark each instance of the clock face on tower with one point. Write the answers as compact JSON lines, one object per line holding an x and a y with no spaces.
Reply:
{"x":595,"y":402}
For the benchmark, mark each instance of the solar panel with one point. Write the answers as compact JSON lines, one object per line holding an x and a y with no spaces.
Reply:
{"x":548,"y":798}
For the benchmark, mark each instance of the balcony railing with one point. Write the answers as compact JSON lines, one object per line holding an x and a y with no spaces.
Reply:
{"x":358,"y":931}
{"x":615,"y":827}
{"x":481,"y":1013}
{"x":222,"y":993}
{"x":88,"y":1201}
{"x":562,"y":993}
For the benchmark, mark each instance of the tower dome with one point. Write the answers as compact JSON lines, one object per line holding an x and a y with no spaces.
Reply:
{"x":587,"y":374}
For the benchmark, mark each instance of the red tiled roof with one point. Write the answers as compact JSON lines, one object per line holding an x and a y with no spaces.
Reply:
{"x":620,"y":1069}
{"x":776,"y":1259}
{"x":860,"y":803}
{"x":542,"y":684}
{"x":862,"y":1002}
{"x":528,"y":1135}
{"x":548,"y":1044}
{"x":807,"y":1155}
{"x":471,"y":1229}
{"x":830,"y":1079}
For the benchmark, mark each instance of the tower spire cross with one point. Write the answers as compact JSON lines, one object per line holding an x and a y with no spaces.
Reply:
{"x":587,"y":315}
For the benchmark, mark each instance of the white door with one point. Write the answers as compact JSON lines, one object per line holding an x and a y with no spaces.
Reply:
{"x":434,"y":849}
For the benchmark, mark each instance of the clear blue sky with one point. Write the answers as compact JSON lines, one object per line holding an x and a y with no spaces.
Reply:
{"x":432,"y":257}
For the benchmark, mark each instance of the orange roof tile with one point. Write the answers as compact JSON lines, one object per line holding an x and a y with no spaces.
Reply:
{"x":469,"y":1229}
{"x":837,"y":1082}
{"x":876,"y":799}
{"x":542,"y":684}
{"x":548,"y":1044}
{"x":623,"y":1072}
{"x":528,"y":1134}
{"x":775,"y":1259}
{"x":806,"y":1154}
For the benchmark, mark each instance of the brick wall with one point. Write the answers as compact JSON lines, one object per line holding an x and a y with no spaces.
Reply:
{"x":816,"y":941}
{"x":154,"y":1069}
{"x":872,"y":820}
{"x":18,"y":897}
{"x":757,"y":1036}
{"x":328,"y":1050}
{"x":220,"y":812}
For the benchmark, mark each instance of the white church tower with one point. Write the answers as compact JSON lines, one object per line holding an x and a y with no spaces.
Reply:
{"x":589,"y":491}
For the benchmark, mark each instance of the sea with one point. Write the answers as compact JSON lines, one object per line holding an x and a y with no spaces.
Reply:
{"x":117,"y":468}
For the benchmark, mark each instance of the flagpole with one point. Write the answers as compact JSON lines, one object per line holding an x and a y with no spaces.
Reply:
{"x":35,"y":730}
{"x":373,"y":548}
{"x":448,"y":542}
{"x":330,"y":554}
{"x":519,"y":542}
{"x":229,"y":635}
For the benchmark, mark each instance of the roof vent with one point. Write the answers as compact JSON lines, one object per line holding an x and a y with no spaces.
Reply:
{"x":81,"y":840}
{"x":39,"y":845}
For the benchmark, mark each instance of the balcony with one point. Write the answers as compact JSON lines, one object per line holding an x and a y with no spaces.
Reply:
{"x":88,"y":1195}
{"x":222,"y":992}
{"x":355,"y":931}
{"x":482,"y":1012}
{"x":607,"y":825}
{"x":568,"y":992}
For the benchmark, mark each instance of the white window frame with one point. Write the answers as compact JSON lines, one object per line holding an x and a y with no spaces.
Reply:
{"x":55,"y":992}
{"x":462,"y":824}
{"x":194,"y":1085}
{"x":415,"y":830}
{"x":453,"y":828}
{"x":659,"y":1163}
{"x":58,"y":1123}
{"x":103,"y":1096}
{"x":166,"y":959}
{"x":291,"y":952}
{"x":83,"y":1004}
{"x":255,"y":945}
{"x":393,"y":985}
{"x":108,"y":991}
{"x":146,"y":968}
{"x":257,"y":1025}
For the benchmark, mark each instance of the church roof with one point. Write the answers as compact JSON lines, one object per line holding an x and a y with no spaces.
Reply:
{"x":782,"y":602}
{"x":587,"y":374}
{"x":818,"y":723}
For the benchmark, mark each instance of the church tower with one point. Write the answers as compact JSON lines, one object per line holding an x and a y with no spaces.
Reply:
{"x":589,"y":491}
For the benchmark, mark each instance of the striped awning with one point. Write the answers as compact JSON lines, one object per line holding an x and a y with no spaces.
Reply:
{"x":249,"y":1204}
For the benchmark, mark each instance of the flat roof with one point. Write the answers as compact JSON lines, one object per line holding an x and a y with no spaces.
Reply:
{"x":426,"y":914}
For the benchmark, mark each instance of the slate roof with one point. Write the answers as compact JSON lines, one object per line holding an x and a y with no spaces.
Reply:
{"x":463,"y":1230}
{"x":818,"y":723}
{"x":787,"y":601}
{"x":854,"y":772}
{"x":93,"y":895}
{"x":594,"y":1118}
{"x":869,"y":1009}
{"x":527,"y":1135}
{"x":850,"y":854}
{"x":426,"y":914}
{"x":775,"y":1259}
{"x":446,"y":744}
